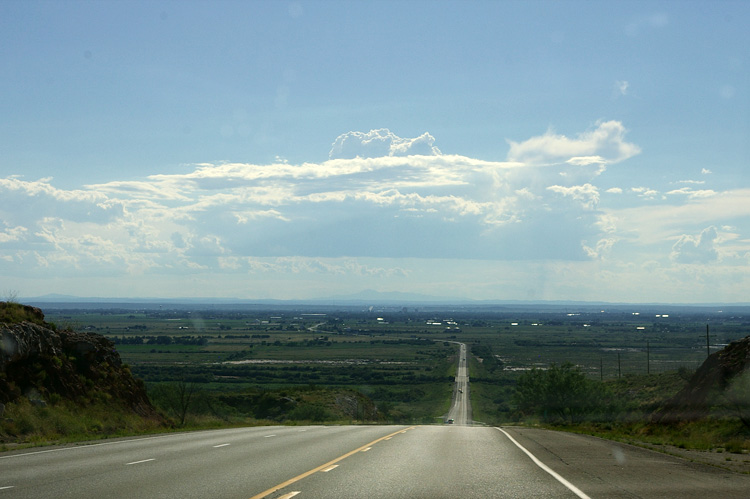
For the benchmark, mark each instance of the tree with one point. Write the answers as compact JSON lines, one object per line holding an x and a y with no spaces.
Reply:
{"x":561,"y":394}
{"x":176,"y":398}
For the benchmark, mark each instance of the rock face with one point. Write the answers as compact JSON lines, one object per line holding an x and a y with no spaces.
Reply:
{"x":41,"y":363}
{"x":706,"y":386}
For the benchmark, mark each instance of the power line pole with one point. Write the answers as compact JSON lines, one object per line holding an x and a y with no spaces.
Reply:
{"x":708,"y":347}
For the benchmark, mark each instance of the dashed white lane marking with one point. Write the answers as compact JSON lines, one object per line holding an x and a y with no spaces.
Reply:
{"x":220,"y":445}
{"x":7,"y":487}
{"x":269,"y":436}
{"x":546,"y":468}
{"x":365,"y":450}
{"x":141,"y":461}
{"x":332,"y":467}
{"x":290,"y":494}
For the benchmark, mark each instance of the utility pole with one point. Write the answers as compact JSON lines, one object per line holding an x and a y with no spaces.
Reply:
{"x":708,"y":347}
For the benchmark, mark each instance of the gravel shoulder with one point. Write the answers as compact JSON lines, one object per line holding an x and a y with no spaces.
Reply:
{"x":739,"y":463}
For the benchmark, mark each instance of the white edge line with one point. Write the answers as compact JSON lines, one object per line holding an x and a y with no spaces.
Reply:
{"x":546,"y":468}
{"x":87,"y":446}
{"x":100,"y":444}
{"x":7,"y":487}
{"x":139,"y":462}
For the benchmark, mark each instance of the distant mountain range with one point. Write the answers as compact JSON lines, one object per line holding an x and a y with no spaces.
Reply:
{"x":366,"y":298}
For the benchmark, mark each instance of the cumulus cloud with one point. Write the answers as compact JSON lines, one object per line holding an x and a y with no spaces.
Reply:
{"x":12,"y":234}
{"x":645,"y":192}
{"x":379,"y":196}
{"x":379,"y":143}
{"x":696,"y":249}
{"x":606,"y":143}
{"x":381,"y":207}
{"x":587,"y":194}
{"x":602,"y":247}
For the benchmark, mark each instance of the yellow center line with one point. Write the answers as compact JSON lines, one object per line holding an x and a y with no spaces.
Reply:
{"x":326,"y":465}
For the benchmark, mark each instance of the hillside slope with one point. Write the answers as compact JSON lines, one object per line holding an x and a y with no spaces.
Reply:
{"x":45,"y":365}
{"x":721,"y":383}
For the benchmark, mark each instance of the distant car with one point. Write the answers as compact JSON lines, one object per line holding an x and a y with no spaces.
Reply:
{"x":449,"y":421}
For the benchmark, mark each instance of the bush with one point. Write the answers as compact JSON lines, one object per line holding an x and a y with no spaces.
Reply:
{"x":562,"y":394}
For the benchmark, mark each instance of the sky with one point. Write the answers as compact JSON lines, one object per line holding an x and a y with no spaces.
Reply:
{"x":486,"y":150}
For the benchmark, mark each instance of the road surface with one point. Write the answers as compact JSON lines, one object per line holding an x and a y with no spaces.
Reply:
{"x":440,"y":461}
{"x":460,"y":411}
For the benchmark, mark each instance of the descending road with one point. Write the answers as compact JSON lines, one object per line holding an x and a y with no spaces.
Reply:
{"x":460,"y":411}
{"x":441,"y":461}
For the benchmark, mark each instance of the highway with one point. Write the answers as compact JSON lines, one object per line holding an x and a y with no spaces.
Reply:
{"x":460,"y":411}
{"x":460,"y":460}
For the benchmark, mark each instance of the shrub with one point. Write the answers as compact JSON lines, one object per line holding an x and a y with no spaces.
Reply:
{"x":562,"y":394}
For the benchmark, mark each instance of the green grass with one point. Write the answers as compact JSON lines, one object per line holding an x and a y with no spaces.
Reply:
{"x":13,"y":313}
{"x":24,"y":423}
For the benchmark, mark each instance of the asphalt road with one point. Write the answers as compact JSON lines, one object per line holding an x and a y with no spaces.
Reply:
{"x":441,"y":461}
{"x":460,"y":411}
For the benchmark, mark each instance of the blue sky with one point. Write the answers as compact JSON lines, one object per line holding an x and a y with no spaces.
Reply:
{"x":297,"y":150}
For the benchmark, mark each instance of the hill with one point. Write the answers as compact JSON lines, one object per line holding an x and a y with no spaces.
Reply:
{"x":720,"y":386}
{"x":42,"y":367}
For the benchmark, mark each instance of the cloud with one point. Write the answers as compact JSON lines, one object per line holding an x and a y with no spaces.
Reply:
{"x":587,"y":194}
{"x":39,"y":198}
{"x":11,"y":234}
{"x":602,"y":247}
{"x":691,"y":193}
{"x":379,"y":197}
{"x":645,"y":192}
{"x":621,"y":88}
{"x":379,"y":143}
{"x":606,"y":142}
{"x":657,"y":224}
{"x":698,"y":249}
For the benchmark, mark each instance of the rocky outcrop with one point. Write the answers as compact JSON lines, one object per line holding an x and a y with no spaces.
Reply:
{"x":43,"y":364}
{"x":708,"y":386}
